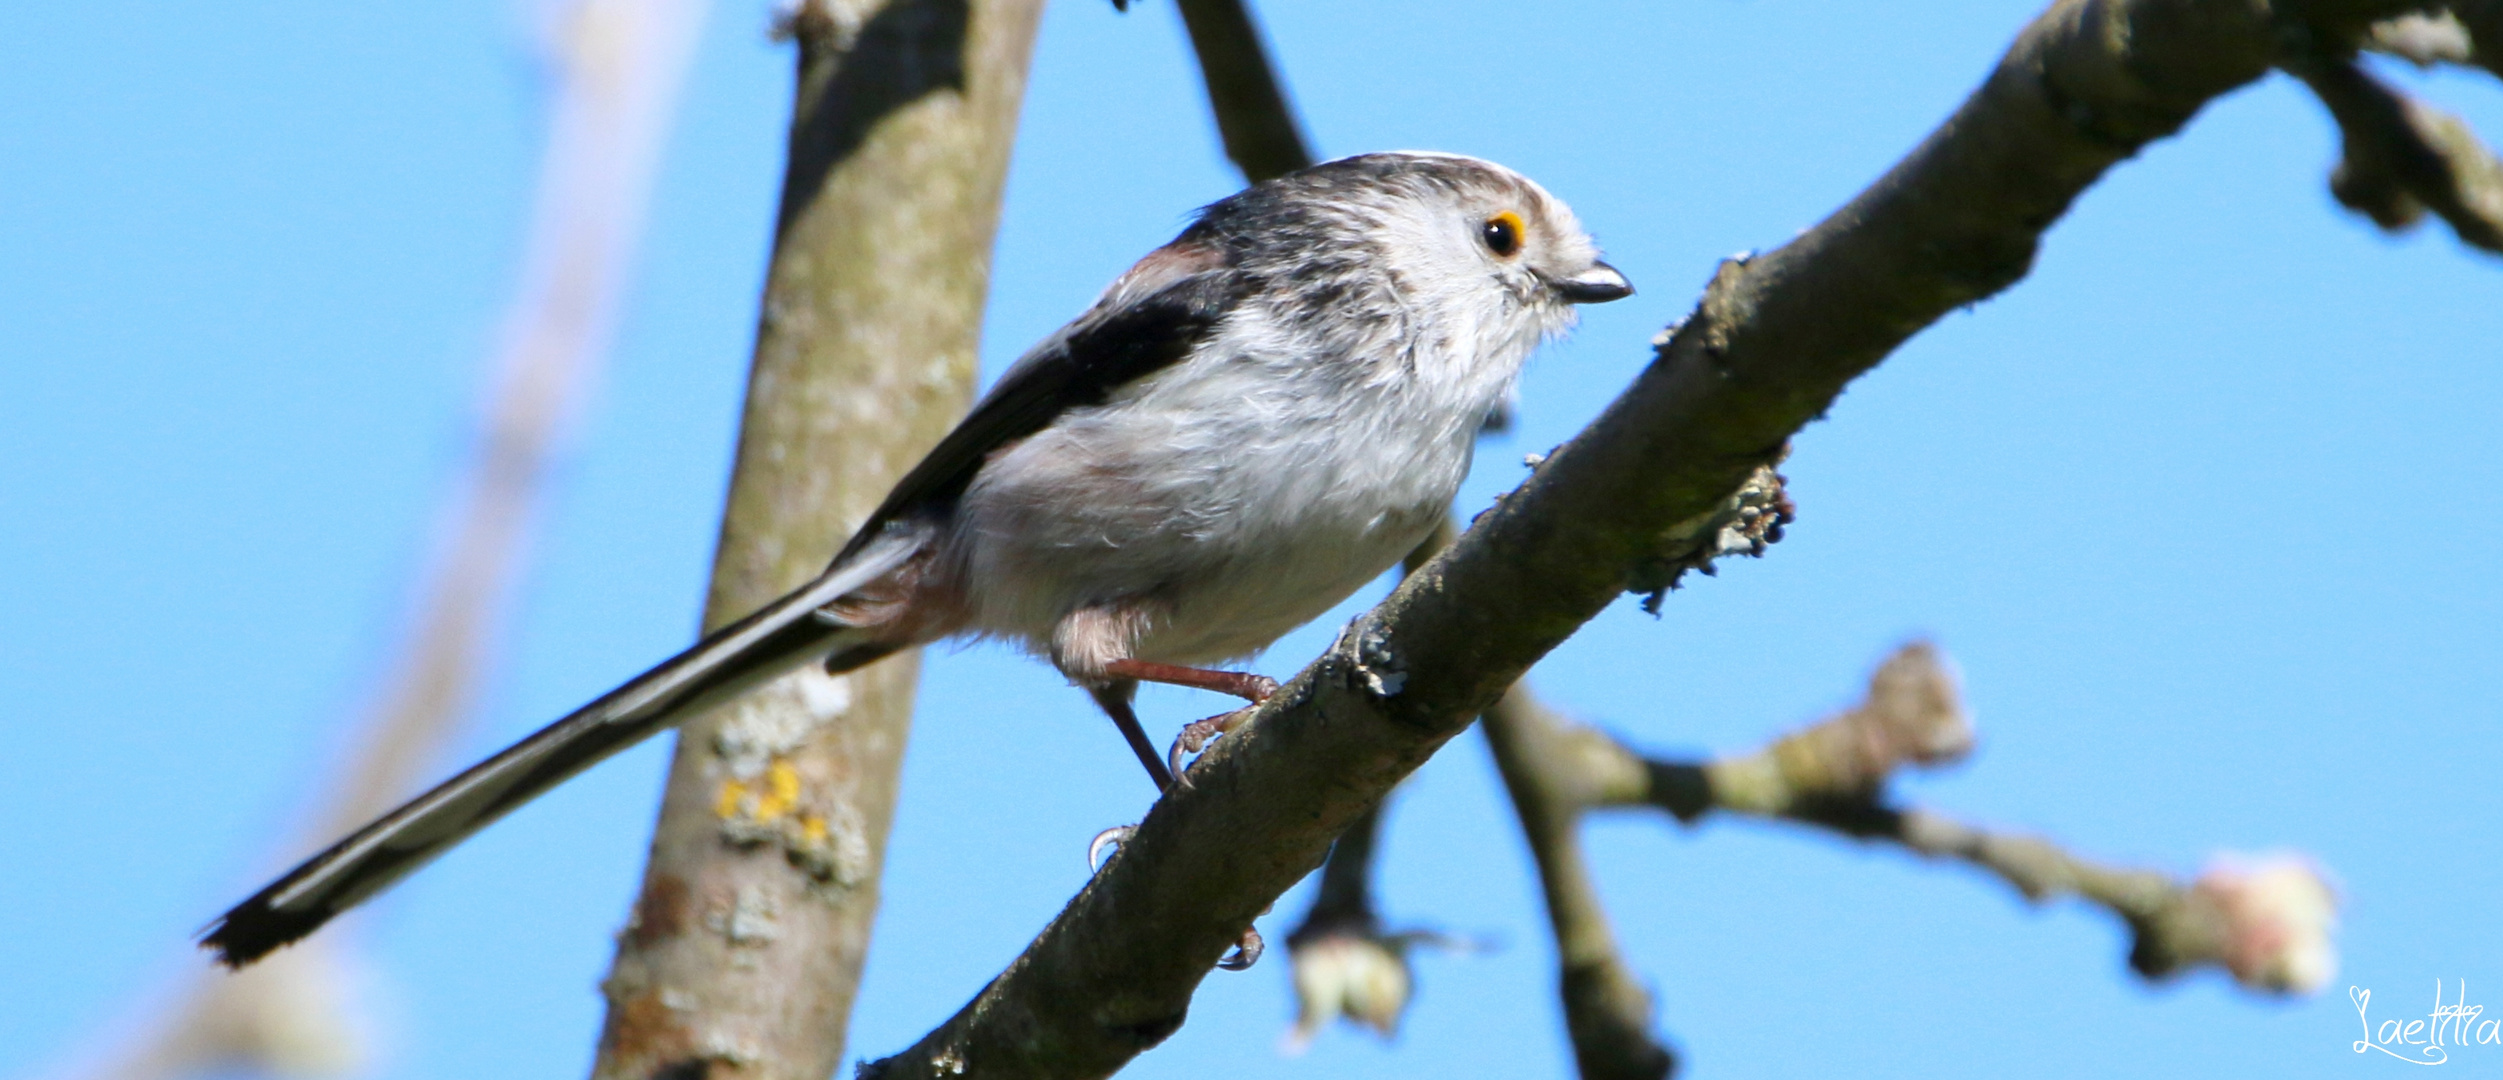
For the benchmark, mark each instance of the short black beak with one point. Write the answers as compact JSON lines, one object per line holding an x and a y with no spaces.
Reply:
{"x":1597,"y":285}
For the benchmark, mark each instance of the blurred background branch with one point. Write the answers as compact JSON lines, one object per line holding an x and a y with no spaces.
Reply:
{"x":2403,"y":157}
{"x":2265,"y":919}
{"x":2460,"y":32}
{"x":1608,"y":1011}
{"x":1245,"y":95}
{"x":617,"y":67}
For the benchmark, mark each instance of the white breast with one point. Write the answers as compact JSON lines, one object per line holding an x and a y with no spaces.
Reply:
{"x":1236,"y":495}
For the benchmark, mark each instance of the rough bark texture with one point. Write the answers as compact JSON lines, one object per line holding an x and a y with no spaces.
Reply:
{"x":1772,"y":343}
{"x":744,"y":949}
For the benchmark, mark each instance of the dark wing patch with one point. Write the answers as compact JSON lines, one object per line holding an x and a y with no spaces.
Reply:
{"x":1149,"y":320}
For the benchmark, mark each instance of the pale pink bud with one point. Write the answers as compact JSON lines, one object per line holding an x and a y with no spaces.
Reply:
{"x":2277,"y":913}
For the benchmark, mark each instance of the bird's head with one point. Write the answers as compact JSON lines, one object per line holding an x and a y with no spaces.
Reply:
{"x":1468,"y":259}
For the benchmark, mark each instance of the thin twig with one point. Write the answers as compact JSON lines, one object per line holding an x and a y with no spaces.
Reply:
{"x":2267,"y":925}
{"x":1552,"y":778}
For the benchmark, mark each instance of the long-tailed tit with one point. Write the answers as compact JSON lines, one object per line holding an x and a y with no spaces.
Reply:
{"x":1250,"y":424}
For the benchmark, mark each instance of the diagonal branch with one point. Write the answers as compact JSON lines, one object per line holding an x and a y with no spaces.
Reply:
{"x":1257,"y":125}
{"x":1772,"y":344}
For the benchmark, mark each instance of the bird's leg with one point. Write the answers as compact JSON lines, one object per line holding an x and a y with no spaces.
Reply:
{"x":1114,"y":697}
{"x":1241,"y":684}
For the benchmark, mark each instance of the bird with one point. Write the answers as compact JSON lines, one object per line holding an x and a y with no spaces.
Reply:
{"x":1247,"y":426}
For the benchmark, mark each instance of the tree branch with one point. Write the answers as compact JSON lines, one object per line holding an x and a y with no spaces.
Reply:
{"x":1607,"y":1011}
{"x":744,"y":949}
{"x":1552,"y":780}
{"x":2404,"y":157}
{"x":1771,"y":345}
{"x":1345,"y":964}
{"x":2266,"y":921}
{"x":1253,"y":118}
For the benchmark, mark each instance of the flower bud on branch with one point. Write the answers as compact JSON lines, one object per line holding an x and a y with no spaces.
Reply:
{"x":1914,"y":714}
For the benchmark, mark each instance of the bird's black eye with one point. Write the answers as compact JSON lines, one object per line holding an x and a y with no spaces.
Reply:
{"x":1502,"y":234}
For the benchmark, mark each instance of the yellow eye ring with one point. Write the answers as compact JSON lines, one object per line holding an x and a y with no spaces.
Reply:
{"x":1502,"y":234}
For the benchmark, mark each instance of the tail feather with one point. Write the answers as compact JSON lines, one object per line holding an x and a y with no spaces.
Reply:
{"x":775,"y":640}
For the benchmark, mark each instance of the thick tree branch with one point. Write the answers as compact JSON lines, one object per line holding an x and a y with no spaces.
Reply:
{"x":2404,"y":157}
{"x":744,"y":949}
{"x":1771,"y":345}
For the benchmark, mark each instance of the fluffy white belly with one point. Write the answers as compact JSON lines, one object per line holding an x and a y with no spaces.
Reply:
{"x":1243,"y":510}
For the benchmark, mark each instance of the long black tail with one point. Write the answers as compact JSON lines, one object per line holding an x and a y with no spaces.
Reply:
{"x":778,"y":639}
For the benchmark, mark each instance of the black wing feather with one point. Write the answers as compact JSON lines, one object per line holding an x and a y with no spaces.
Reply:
{"x":1120,"y":341}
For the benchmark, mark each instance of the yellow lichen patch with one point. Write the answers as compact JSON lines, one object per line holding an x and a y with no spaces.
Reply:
{"x":770,"y":798}
{"x":782,"y":792}
{"x":812,"y":829}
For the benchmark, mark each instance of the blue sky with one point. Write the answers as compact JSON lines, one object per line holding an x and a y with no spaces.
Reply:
{"x":2206,"y":509}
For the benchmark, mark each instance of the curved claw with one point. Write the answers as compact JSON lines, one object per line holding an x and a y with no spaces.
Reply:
{"x":1247,"y":950}
{"x":1174,"y":760}
{"x":1104,"y":841}
{"x":1196,"y":735}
